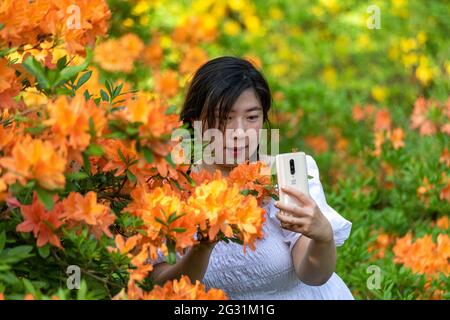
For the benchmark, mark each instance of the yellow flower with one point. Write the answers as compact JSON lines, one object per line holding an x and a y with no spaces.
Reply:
{"x":424,"y":73}
{"x":379,"y":93}
{"x":231,"y":28}
{"x":363,"y":42}
{"x":408,"y":45}
{"x":252,"y":23}
{"x":409,"y":60}
{"x":276,"y":13}
{"x":128,"y":22}
{"x":332,"y":6}
{"x":141,"y":7}
{"x":447,"y":66}
{"x":329,"y":75}
{"x":237,"y":5}
{"x":421,"y":37}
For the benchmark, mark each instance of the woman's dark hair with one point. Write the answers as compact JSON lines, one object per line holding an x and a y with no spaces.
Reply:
{"x":218,"y":83}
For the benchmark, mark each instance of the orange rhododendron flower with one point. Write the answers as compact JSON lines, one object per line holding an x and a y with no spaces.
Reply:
{"x":195,"y":30}
{"x":221,"y":207}
{"x":166,"y":83}
{"x":192,"y":60}
{"x":423,"y":192}
{"x":119,"y":54}
{"x":183,"y":289}
{"x":254,"y":177}
{"x":382,"y":120}
{"x":164,"y":216}
{"x":397,"y":137}
{"x":9,"y":85}
{"x":8,"y":136}
{"x":70,"y":120}
{"x":429,"y":115}
{"x":445,"y":192}
{"x":381,"y":244}
{"x":41,"y":222}
{"x":153,"y":52}
{"x":443,"y":223}
{"x":424,"y":256}
{"x":35,"y":159}
{"x":124,"y":246}
{"x":77,"y":22}
{"x":318,"y":143}
{"x":444,"y":158}
{"x":85,"y":209}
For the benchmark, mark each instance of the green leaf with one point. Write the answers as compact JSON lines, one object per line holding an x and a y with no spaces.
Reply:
{"x":15,"y":254}
{"x":236,"y":240}
{"x":85,"y":77}
{"x":189,"y":179}
{"x":20,"y":118}
{"x":104,"y":95}
{"x":160,"y":221}
{"x":81,"y":293}
{"x":86,"y":163}
{"x":71,"y":71}
{"x":122,"y":157}
{"x":148,"y":155}
{"x":37,"y":129}
{"x":116,"y":135}
{"x":29,"y":288}
{"x":173,"y":217}
{"x":179,"y":230}
{"x":76,"y":175}
{"x":46,"y":197}
{"x":92,"y":127}
{"x":2,"y":240}
{"x":131,"y":177}
{"x":61,"y":63}
{"x":44,"y":251}
{"x":169,"y":160}
{"x":36,"y":69}
{"x":117,"y":90}
{"x":95,"y":150}
{"x":108,"y":86}
{"x":132,"y":130}
{"x":171,"y":109}
{"x":246,"y":192}
{"x":310,"y":177}
{"x":172,"y":257}
{"x":86,"y":94}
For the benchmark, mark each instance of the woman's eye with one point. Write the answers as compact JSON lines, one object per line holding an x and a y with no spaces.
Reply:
{"x":251,"y":118}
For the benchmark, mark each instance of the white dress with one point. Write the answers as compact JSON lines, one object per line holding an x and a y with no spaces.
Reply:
{"x":268,"y":272}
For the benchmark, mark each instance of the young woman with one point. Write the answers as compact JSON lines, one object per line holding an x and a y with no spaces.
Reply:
{"x":297,"y":257}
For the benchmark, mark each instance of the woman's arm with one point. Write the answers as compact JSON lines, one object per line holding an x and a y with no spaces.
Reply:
{"x":314,"y":254}
{"x":193,"y":264}
{"x":314,"y":261}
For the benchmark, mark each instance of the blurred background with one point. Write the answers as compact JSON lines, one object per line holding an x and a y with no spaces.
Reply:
{"x":362,"y":86}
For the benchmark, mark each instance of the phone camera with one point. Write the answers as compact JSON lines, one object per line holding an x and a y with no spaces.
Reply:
{"x":292,"y":166}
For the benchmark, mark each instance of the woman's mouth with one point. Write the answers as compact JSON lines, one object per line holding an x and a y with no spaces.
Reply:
{"x":236,"y":151}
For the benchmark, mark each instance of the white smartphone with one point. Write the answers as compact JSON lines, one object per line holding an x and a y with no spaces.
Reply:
{"x":291,"y":172}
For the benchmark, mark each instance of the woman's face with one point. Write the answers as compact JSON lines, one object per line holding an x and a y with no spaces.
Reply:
{"x":241,"y":136}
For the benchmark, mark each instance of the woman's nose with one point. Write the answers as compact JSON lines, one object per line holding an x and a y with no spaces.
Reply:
{"x":236,"y":123}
